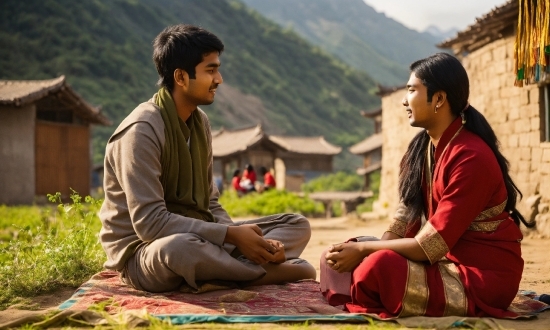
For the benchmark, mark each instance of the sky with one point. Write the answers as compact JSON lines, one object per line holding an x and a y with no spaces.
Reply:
{"x":445,"y":14}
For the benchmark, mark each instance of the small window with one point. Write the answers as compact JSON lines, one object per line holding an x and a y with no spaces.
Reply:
{"x":545,"y":113}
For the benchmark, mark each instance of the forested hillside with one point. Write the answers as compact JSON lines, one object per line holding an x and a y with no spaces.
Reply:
{"x":104,"y":48}
{"x":355,"y":32}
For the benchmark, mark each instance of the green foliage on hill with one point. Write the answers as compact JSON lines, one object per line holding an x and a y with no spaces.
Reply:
{"x":104,"y":49}
{"x":355,"y":32}
{"x":339,"y":181}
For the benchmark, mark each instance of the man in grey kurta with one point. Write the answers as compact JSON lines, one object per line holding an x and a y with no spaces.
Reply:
{"x":154,"y":247}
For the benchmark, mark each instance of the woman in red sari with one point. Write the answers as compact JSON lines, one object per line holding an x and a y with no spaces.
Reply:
{"x":454,"y":245}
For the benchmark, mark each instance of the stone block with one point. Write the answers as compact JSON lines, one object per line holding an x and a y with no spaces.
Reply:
{"x":534,"y":181}
{"x":525,"y":154}
{"x":524,"y":169}
{"x":513,"y":111}
{"x":534,"y":95}
{"x":543,"y":225}
{"x":486,"y":58}
{"x":524,"y":140}
{"x":545,"y":156}
{"x":513,"y":140}
{"x":535,"y":124}
{"x":534,"y":138}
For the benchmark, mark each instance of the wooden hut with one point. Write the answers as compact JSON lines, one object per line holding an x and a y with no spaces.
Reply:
{"x":44,"y":139}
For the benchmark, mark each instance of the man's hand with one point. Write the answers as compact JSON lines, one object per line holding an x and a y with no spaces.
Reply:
{"x":279,"y":254}
{"x":344,"y":257}
{"x":249,"y":240}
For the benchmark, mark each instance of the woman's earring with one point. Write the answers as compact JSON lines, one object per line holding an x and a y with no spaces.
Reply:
{"x":437,"y":106}
{"x":463,"y":118}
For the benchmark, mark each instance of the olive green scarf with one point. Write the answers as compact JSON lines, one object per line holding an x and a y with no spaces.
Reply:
{"x":184,"y":175}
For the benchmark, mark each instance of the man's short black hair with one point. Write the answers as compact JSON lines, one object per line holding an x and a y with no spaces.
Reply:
{"x":182,"y":46}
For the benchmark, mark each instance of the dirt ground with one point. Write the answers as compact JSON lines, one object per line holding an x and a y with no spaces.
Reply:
{"x":536,"y":275}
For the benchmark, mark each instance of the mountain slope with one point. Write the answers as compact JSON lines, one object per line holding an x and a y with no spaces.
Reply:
{"x":355,"y":32}
{"x":104,"y":49}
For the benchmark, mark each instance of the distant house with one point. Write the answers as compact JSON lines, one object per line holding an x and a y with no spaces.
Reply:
{"x":370,"y":148}
{"x":44,"y":139}
{"x":294,"y":159}
{"x":519,"y":116}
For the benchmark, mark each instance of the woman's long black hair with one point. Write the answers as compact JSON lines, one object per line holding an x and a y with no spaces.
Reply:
{"x":443,"y":72}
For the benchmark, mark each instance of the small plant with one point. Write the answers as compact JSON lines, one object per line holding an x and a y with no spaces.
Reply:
{"x":60,"y":249}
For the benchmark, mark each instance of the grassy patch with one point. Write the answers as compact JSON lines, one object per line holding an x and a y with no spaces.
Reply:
{"x":267,"y":203}
{"x":43,"y":249}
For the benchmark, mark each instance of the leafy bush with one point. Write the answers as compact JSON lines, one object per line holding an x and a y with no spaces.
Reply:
{"x":375,"y":188}
{"x":47,"y":251}
{"x":267,"y":203}
{"x":340,"y":181}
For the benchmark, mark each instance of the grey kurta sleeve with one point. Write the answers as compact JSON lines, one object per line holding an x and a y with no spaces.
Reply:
{"x":134,"y":210}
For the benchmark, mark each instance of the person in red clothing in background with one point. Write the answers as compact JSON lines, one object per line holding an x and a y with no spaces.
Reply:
{"x":236,"y":182}
{"x":250,"y":175}
{"x":269,"y":180}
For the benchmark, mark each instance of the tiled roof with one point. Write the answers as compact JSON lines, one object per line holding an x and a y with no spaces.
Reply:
{"x":371,"y":113}
{"x":486,"y":29}
{"x":316,"y":145}
{"x":369,"y":144}
{"x":369,"y":169}
{"x":23,"y":92}
{"x":226,"y":142}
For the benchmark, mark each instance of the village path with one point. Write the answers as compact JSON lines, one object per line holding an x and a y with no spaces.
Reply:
{"x":536,"y":275}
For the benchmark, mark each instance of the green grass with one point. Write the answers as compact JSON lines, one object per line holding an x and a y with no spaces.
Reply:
{"x":267,"y":203}
{"x":44,"y":249}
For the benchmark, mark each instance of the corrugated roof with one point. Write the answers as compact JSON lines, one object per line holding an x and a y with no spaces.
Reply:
{"x":23,"y":92}
{"x":316,"y":145}
{"x":226,"y":143}
{"x":369,"y":144}
{"x":486,"y":29}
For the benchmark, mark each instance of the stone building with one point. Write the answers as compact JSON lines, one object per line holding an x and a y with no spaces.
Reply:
{"x":520,"y":116}
{"x":370,"y":148}
{"x":294,"y":159}
{"x":44,"y":140}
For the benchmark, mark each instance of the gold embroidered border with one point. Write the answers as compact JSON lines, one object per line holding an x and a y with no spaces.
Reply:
{"x":415,"y":299}
{"x":398,"y":227}
{"x":432,"y":243}
{"x":485,"y":226}
{"x":491,"y":212}
{"x":456,"y":303}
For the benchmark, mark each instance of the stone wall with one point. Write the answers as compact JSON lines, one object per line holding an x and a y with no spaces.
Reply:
{"x":17,"y":161}
{"x":396,"y":135}
{"x":514,"y":114}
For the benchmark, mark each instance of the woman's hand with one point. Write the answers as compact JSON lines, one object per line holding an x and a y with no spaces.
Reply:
{"x":345,"y":257}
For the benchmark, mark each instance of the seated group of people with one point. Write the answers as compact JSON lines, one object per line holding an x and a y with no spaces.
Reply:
{"x":453,"y":248}
{"x":248,"y":182}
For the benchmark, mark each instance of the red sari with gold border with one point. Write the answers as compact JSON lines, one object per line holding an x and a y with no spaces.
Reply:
{"x":473,"y":245}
